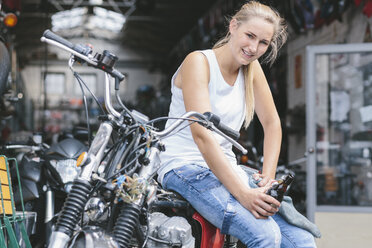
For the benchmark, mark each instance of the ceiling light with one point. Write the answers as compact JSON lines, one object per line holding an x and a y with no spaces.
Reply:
{"x":95,"y":2}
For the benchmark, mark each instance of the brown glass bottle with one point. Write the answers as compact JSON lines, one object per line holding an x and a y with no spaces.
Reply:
{"x":278,"y":189}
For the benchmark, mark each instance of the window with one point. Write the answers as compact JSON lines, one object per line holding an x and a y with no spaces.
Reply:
{"x":90,"y":80}
{"x":55,"y":83}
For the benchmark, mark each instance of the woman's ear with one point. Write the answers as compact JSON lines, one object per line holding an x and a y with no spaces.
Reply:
{"x":233,"y":25}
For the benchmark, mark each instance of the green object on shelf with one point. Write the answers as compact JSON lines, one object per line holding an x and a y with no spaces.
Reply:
{"x":11,"y":221}
{"x":2,"y":238}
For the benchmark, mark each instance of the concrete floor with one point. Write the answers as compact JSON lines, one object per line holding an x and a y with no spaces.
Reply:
{"x":344,"y":230}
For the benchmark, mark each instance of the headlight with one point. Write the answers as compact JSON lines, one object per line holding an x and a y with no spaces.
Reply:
{"x":67,"y":169}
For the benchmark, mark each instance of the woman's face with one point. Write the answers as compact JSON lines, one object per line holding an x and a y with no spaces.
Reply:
{"x":250,"y":39}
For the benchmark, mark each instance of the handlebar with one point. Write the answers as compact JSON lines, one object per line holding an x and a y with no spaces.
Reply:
{"x":204,"y":120}
{"x":222,"y":127}
{"x":84,"y":50}
{"x":104,"y":61}
{"x":177,"y":123}
{"x":29,"y":147}
{"x":107,"y":98}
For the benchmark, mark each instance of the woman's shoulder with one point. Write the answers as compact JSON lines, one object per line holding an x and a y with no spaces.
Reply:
{"x":196,"y":56}
{"x":195,"y":67}
{"x":195,"y":59}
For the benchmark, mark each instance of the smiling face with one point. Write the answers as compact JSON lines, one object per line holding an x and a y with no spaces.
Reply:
{"x":250,"y":39}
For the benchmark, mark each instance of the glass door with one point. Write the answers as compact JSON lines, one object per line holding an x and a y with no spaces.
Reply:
{"x":339,"y":128}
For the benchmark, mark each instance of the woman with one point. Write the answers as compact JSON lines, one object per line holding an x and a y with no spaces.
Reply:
{"x":200,"y":165}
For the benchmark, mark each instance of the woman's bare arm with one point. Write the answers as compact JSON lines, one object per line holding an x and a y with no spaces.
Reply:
{"x":268,"y":116}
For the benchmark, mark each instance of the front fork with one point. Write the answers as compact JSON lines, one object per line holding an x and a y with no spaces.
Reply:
{"x":136,"y":191}
{"x":82,"y":186}
{"x":49,"y":208}
{"x":49,"y":212}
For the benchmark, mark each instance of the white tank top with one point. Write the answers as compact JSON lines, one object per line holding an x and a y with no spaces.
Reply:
{"x":228,"y":102}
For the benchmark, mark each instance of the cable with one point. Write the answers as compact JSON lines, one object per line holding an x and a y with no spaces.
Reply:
{"x":99,"y":184}
{"x":86,"y":108}
{"x":178,"y":130}
{"x":127,"y":150}
{"x":123,"y":106}
{"x":136,"y":141}
{"x":173,"y":118}
{"x":74,"y":240}
{"x":132,"y":170}
{"x":127,"y":164}
{"x":166,"y":242}
{"x":94,"y":96}
{"x":148,"y":231}
{"x":114,"y":146}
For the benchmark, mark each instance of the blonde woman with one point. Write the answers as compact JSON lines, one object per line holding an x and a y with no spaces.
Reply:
{"x":228,"y":81}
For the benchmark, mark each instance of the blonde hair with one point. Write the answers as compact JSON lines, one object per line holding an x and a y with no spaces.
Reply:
{"x":247,"y":11}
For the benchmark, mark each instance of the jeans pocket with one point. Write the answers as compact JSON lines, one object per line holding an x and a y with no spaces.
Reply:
{"x":198,"y":177}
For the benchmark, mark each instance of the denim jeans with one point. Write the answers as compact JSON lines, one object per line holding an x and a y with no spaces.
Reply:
{"x":200,"y":187}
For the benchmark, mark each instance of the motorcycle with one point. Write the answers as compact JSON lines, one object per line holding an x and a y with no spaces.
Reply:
{"x":115,"y":201}
{"x":5,"y":67}
{"x":8,"y":96}
{"x":46,"y":175}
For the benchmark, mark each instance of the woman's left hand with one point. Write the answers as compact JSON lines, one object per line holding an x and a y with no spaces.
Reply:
{"x":265,"y":180}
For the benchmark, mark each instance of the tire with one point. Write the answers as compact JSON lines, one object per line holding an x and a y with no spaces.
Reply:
{"x":4,"y":67}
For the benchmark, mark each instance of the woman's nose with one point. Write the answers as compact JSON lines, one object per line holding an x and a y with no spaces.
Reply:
{"x":253,"y":47}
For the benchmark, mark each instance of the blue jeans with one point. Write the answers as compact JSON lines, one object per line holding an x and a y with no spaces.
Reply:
{"x":200,"y":187}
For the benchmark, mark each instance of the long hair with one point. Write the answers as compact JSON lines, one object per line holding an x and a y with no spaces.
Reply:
{"x":247,"y":11}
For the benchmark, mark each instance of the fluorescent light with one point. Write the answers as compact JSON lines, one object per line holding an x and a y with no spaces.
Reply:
{"x":101,"y":18}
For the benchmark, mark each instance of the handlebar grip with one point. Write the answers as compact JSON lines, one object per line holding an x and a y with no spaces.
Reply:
{"x":222,"y":127}
{"x":52,"y":36}
{"x":85,"y":50}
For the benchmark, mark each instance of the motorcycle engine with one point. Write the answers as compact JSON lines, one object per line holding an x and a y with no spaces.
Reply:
{"x":175,"y":230}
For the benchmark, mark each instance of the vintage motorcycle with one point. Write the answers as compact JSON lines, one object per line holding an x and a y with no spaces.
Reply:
{"x":115,"y":201}
{"x":46,"y":175}
{"x":7,"y":86}
{"x":5,"y":67}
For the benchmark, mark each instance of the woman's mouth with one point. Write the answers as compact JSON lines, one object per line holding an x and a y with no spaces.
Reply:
{"x":247,"y":54}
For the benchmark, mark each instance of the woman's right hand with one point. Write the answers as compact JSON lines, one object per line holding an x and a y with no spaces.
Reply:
{"x":259,"y":203}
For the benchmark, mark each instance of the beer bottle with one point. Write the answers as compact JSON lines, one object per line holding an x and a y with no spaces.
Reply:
{"x":278,"y":189}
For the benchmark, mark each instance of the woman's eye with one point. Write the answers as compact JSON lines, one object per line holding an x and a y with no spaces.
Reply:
{"x":250,"y":36}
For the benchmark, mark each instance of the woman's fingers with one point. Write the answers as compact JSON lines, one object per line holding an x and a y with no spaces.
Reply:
{"x":265,"y":205}
{"x":270,"y":208}
{"x":257,"y":176}
{"x":266,"y":209}
{"x":260,"y":216}
{"x":266,"y":181}
{"x":259,"y":203}
{"x":272,"y":201}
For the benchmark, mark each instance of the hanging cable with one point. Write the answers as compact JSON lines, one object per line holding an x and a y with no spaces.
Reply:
{"x":77,"y":76}
{"x":163,"y":118}
{"x":44,"y":93}
{"x":86,"y":109}
{"x":123,"y":106}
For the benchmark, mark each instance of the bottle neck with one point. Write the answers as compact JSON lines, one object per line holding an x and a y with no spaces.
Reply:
{"x":288,"y":180}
